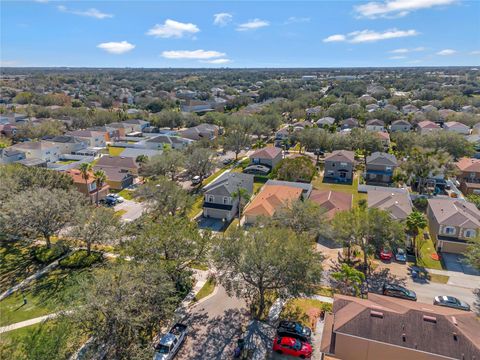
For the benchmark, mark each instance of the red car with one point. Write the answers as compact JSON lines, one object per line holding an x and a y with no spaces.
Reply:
{"x":291,"y":346}
{"x":386,"y":254}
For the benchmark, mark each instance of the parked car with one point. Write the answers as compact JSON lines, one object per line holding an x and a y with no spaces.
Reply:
{"x":295,"y":330}
{"x":196,"y":180}
{"x":170,"y":343}
{"x":257,"y":170}
{"x":227,"y":161}
{"x":398,"y":291}
{"x":117,"y":197}
{"x":452,"y":302}
{"x":291,"y":346}
{"x":400,"y":255}
{"x":386,"y":254}
{"x":108,"y":201}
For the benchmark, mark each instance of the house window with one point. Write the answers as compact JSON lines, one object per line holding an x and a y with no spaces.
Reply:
{"x":210,"y":198}
{"x":225,"y":200}
{"x":343,"y":164}
{"x":449,"y":230}
{"x":388,"y":168}
{"x":469,"y":233}
{"x":472,"y":175}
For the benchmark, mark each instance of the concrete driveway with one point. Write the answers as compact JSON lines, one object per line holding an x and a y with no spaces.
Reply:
{"x":455,"y":262}
{"x":131,"y":210}
{"x":214,"y":327}
{"x":211,"y":224}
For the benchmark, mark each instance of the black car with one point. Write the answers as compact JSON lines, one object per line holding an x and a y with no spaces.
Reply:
{"x":398,"y":291}
{"x":295,"y":330}
{"x":109,"y":201}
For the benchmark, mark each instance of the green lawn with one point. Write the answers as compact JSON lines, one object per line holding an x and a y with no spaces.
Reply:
{"x":115,"y":151}
{"x":51,"y":293}
{"x":436,"y":278}
{"x":212,"y":177}
{"x":346,"y":188}
{"x":66,"y":162}
{"x":257,"y":186}
{"x":206,"y":289}
{"x":425,"y":250}
{"x":120,"y":212}
{"x":304,"y":310}
{"x":196,"y":207}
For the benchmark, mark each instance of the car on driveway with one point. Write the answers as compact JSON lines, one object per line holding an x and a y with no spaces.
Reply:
{"x":196,"y":180}
{"x":291,"y":346}
{"x":295,"y":330}
{"x":227,"y":161}
{"x":452,"y":302}
{"x":398,"y":291}
{"x":117,"y":197}
{"x":170,"y":343}
{"x":257,"y":170}
{"x":400,"y":255}
{"x":386,"y":254}
{"x":108,"y":201}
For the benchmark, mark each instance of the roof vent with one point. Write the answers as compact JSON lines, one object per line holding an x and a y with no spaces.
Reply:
{"x":376,"y":314}
{"x":431,"y":319}
{"x":404,"y":337}
{"x":455,"y":336}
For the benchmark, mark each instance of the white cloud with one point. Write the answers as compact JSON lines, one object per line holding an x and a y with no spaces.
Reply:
{"x":405,"y":51}
{"x":222,"y":19}
{"x":253,"y":25}
{"x":218,"y":61}
{"x":116,"y":47}
{"x":173,"y":29}
{"x":397,"y":57}
{"x":90,"y":12}
{"x":335,"y":38}
{"x":192,"y":54}
{"x":397,"y":8}
{"x":475,"y":52}
{"x":446,"y":52}
{"x":296,"y":20}
{"x":9,"y":63}
{"x":370,"y":36}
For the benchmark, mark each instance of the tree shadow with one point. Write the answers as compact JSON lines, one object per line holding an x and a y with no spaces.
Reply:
{"x":379,"y":277}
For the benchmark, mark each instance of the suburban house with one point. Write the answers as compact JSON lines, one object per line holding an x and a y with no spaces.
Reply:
{"x":407,"y":109}
{"x":459,"y":128}
{"x":68,"y":144}
{"x":382,"y":327}
{"x":165,"y":141}
{"x":400,"y":125}
{"x":469,"y":176}
{"x":349,"y":123}
{"x":137,"y":125}
{"x":269,"y":200}
{"x":117,"y":178}
{"x":384,"y":138}
{"x":9,"y":155}
{"x":372,"y":107}
{"x":110,"y":133}
{"x":43,"y":150}
{"x":425,"y":127}
{"x":444,"y":113}
{"x":332,"y":201}
{"x":325,"y":121}
{"x":124,"y":128}
{"x":380,"y":168}
{"x":269,"y":156}
{"x":375,"y":125}
{"x":134,"y":153}
{"x":339,"y":166}
{"x":219,"y":202}
{"x":306,"y":187}
{"x":396,"y":201}
{"x":199,"y":132}
{"x":9,"y":130}
{"x":87,"y":187}
{"x":94,"y":138}
{"x":452,"y":223}
{"x":428,"y":108}
{"x":125,"y":163}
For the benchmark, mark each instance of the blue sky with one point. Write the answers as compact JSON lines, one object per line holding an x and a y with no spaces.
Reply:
{"x":240,"y":33}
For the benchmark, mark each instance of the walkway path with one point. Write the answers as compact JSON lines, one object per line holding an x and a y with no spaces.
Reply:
{"x":29,"y":322}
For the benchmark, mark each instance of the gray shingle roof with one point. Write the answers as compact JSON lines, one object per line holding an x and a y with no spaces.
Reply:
{"x":229,"y":182}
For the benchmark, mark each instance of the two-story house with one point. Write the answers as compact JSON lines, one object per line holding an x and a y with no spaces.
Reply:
{"x":349,"y":123}
{"x":43,"y":150}
{"x":339,"y":166}
{"x":380,"y":168}
{"x":94,"y":138}
{"x":219,"y":202}
{"x":469,"y":176}
{"x":138,"y":125}
{"x":68,"y":144}
{"x":161,"y":142}
{"x":269,"y":156}
{"x":459,"y":128}
{"x":375,"y":125}
{"x":201,"y":131}
{"x":88,"y":186}
{"x":452,"y":223}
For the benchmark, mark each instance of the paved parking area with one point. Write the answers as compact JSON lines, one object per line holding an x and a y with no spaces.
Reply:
{"x":132,"y":210}
{"x":211,"y":224}
{"x":454,"y":262}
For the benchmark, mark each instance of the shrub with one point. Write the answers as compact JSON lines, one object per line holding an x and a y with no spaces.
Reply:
{"x":46,"y":255}
{"x":80,"y":259}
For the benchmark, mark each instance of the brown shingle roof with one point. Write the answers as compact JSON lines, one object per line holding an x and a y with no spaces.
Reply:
{"x":450,"y":332}
{"x":468,"y":164}
{"x":117,"y":161}
{"x":455,"y":212}
{"x":269,"y":152}
{"x":332,"y":201}
{"x":341,"y":155}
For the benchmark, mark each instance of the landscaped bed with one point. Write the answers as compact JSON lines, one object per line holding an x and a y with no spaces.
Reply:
{"x":304,"y":310}
{"x":425,"y":251}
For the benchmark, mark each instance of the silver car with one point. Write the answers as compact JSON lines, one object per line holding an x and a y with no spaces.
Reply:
{"x":452,"y":302}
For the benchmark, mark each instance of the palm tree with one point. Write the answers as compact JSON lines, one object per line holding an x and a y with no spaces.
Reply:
{"x":416,"y":220}
{"x":100,"y":178}
{"x":241,"y":194}
{"x":85,"y":170}
{"x":349,"y":280}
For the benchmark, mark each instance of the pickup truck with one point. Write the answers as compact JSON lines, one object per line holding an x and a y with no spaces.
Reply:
{"x":170,"y":343}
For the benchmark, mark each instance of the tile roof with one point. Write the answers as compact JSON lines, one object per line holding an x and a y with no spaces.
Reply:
{"x":331,"y":201}
{"x":271,"y":198}
{"x":455,"y":212}
{"x":269,"y":152}
{"x":427,"y":125}
{"x":76,"y":175}
{"x":468,"y":164}
{"x":381,"y":158}
{"x":423,"y":327}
